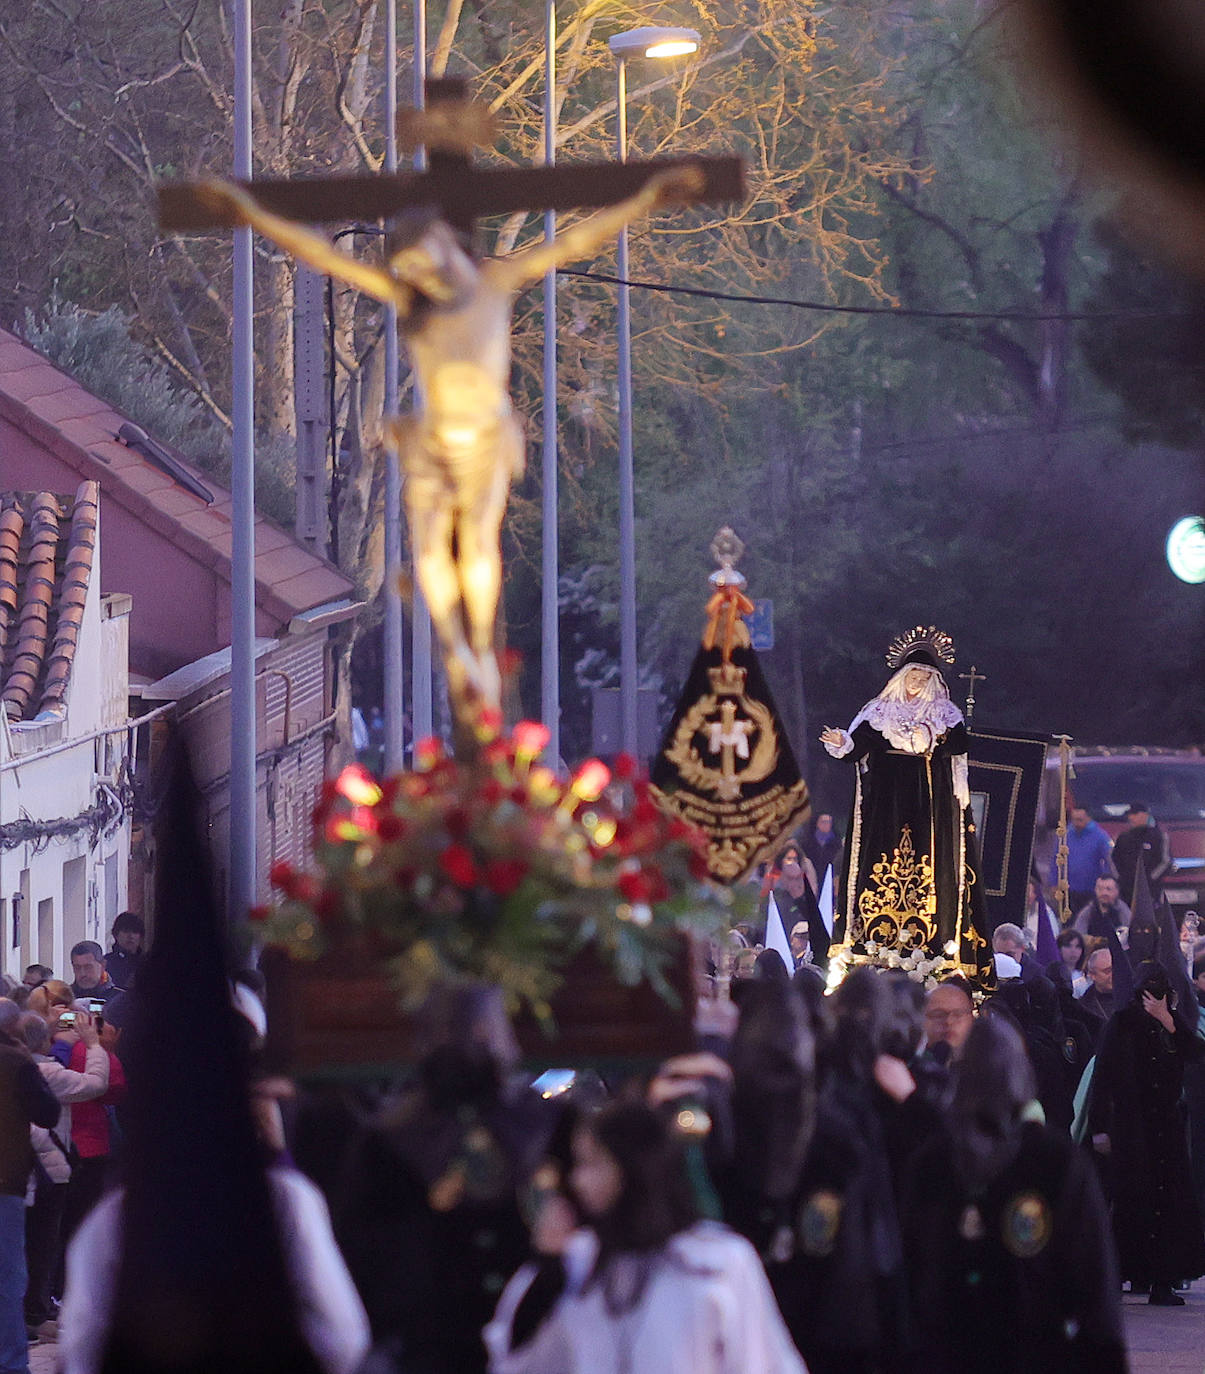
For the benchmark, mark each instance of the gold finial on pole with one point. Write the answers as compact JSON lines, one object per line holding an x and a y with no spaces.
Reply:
{"x":1066,"y":773}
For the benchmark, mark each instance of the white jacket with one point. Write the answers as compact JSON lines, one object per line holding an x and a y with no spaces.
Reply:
{"x":332,"y":1316}
{"x":68,"y":1086}
{"x":708,"y":1309}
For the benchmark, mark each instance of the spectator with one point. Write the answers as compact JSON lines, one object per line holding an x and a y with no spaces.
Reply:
{"x":649,"y":1288}
{"x":36,"y":975}
{"x":1142,"y":840}
{"x":52,"y":1152}
{"x":823,"y":847}
{"x":25,"y":1101}
{"x":1010,"y":940}
{"x":1087,"y":858}
{"x":88,"y":968}
{"x":50,"y":999}
{"x":1135,"y":1118}
{"x":1106,"y":911}
{"x":91,"y":1128}
{"x":1069,"y":971}
{"x":795,"y":897}
{"x":122,"y":961}
{"x":1037,"y":909}
{"x":801,"y":944}
{"x":1006,"y":1233}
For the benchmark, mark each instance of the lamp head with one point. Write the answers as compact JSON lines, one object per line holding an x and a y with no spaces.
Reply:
{"x":654,"y":41}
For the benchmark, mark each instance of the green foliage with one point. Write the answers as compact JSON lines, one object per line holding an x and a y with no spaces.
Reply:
{"x":101,"y":352}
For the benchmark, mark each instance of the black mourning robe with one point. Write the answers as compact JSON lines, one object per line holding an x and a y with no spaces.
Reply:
{"x":1136,"y":1101}
{"x":911,"y":873}
{"x":1026,"y":1282}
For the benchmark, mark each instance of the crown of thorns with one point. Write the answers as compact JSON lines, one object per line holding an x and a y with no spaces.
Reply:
{"x":918,"y":643}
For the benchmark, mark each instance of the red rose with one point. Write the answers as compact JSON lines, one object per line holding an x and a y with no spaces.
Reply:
{"x":281,"y":874}
{"x":646,"y":812}
{"x":457,"y":823}
{"x":624,"y":767}
{"x":634,"y":887}
{"x":457,"y":862}
{"x":658,"y":887}
{"x":258,"y":913}
{"x":390,"y":828}
{"x":502,"y":876}
{"x":492,"y":792}
{"x":327,"y":906}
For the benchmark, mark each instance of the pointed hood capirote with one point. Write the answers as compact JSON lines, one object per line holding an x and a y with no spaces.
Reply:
{"x":202,"y":1283}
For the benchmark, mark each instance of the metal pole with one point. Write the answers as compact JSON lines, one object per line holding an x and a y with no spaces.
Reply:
{"x":550,"y":645}
{"x":420,"y":687}
{"x":243,"y":818}
{"x":627,"y":476}
{"x":394,"y":638}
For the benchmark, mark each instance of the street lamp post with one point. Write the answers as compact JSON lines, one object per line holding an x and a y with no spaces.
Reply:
{"x":634,"y":43}
{"x":550,"y":639}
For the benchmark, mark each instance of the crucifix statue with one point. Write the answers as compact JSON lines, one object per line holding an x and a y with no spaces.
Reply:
{"x":462,"y":444}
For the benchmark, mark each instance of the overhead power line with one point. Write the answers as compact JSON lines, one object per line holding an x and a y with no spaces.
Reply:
{"x":897,"y":312}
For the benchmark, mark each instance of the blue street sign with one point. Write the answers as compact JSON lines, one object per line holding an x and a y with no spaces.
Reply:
{"x":761,"y":625}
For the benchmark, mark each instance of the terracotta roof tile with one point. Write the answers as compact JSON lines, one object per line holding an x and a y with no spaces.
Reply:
{"x":83,"y":431}
{"x":47,"y":550}
{"x":36,"y":383}
{"x":67,"y":403}
{"x":321,"y":583}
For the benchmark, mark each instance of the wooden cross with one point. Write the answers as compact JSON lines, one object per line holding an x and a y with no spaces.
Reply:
{"x":971,"y":679}
{"x":449,"y":128}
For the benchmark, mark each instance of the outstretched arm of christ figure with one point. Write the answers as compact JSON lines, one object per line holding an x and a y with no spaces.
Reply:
{"x":302,"y":243}
{"x":674,"y":186}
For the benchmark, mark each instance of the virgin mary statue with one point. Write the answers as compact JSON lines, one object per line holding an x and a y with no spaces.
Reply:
{"x":911,"y":885}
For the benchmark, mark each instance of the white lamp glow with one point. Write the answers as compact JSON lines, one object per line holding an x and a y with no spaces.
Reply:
{"x":1186,"y":549}
{"x":653,"y":41}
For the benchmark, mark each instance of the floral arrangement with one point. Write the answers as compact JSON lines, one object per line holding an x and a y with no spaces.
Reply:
{"x":916,"y":961}
{"x":494,"y":869}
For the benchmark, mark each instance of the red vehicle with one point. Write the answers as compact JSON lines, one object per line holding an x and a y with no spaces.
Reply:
{"x":1170,"y":781}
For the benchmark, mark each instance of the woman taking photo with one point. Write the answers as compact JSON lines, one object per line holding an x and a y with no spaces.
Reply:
{"x":648,"y":1288}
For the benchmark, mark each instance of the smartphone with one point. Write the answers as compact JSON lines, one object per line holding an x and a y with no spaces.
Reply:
{"x":96,"y":1006}
{"x":554,"y":1082}
{"x":67,"y":1018}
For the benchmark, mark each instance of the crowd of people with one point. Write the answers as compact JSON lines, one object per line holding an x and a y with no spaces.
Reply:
{"x":59,"y":1133}
{"x":878,"y":1178}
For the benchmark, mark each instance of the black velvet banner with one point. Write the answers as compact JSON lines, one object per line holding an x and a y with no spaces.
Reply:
{"x":1005,"y":776}
{"x":726,"y":764}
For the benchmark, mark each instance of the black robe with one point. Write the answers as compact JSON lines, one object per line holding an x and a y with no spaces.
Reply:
{"x":1026,"y":1283}
{"x":911,"y":871}
{"x":1136,"y":1091}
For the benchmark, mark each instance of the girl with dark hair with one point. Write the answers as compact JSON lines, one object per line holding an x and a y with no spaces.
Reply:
{"x":1009,"y":1257}
{"x":1136,"y":1118}
{"x":1070,"y":966}
{"x":649,"y":1288}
